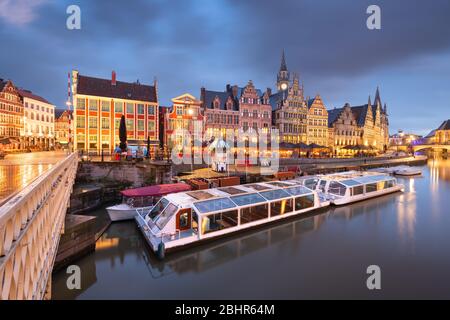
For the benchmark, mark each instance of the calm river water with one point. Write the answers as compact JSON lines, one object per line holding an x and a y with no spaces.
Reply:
{"x":318,"y":256}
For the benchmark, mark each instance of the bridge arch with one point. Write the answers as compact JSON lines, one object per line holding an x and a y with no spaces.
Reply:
{"x":431,"y":146}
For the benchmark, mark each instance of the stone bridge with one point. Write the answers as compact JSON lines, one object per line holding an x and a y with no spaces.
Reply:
{"x":431,"y":146}
{"x":31,"y":223}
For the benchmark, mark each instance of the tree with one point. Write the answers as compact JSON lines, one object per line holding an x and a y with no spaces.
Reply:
{"x":123,"y":134}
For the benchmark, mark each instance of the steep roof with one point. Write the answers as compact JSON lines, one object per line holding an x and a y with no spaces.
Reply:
{"x":30,"y":95}
{"x":274,"y":99}
{"x":360,"y":113}
{"x":121,"y":90}
{"x":211,"y":95}
{"x":445,"y":125}
{"x":59,"y":112}
{"x":431,"y":134}
{"x":333,"y":115}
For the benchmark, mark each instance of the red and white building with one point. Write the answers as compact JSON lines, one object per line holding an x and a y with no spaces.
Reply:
{"x":98,"y":105}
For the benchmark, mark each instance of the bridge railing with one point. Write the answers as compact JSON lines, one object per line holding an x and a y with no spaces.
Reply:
{"x":30,"y":227}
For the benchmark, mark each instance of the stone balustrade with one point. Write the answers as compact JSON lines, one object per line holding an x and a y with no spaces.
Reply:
{"x":31,"y":223}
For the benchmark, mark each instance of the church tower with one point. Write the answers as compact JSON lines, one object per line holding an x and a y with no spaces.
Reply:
{"x":283,"y":75}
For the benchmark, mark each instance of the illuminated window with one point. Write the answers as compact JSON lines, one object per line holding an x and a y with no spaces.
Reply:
{"x":93,"y":105}
{"x":93,"y":122}
{"x":81,"y":104}
{"x":130,"y":124}
{"x":130,"y":108}
{"x":105,"y":123}
{"x":140,"y":109}
{"x":80,"y":121}
{"x":151,"y":126}
{"x":118,"y":107}
{"x":105,"y":106}
{"x":140,"y":125}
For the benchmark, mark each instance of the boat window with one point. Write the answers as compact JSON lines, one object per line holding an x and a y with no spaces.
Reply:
{"x":304,"y":202}
{"x":219,"y":221}
{"x":247,"y":199}
{"x":322,"y":185}
{"x":274,"y":194}
{"x":357,"y":190}
{"x":214,"y":205}
{"x":311,"y":183}
{"x":281,"y":207}
{"x":381,"y":185}
{"x":165,"y":216}
{"x":296,"y":191}
{"x":158,"y":208}
{"x":371,"y":187}
{"x":194,"y":225}
{"x":389,"y":184}
{"x":254,"y":213}
{"x":337,"y":188}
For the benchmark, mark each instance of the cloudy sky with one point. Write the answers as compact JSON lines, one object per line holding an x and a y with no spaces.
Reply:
{"x":188,"y":44}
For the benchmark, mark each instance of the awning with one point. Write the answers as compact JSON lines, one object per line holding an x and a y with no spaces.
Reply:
{"x":317,"y":146}
{"x":156,"y":190}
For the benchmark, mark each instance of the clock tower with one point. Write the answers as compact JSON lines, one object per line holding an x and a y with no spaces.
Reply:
{"x":283,"y":75}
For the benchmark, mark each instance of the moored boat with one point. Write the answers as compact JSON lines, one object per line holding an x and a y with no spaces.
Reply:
{"x":141,"y":200}
{"x":408,"y":171}
{"x":347,"y":187}
{"x":187,"y":218}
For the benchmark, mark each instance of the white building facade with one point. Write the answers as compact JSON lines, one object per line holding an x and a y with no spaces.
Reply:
{"x":38,"y":131}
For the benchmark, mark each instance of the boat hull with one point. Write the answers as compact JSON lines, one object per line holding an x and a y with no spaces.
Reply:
{"x":124,"y":212}
{"x":347,"y":200}
{"x":153,"y":243}
{"x":408,"y":173}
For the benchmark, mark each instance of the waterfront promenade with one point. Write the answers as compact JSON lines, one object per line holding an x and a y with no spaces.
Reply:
{"x":19,"y":170}
{"x":310,"y":166}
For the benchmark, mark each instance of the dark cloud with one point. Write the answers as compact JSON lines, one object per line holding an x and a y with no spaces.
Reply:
{"x":189,"y":44}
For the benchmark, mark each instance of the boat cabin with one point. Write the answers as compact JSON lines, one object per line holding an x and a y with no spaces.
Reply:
{"x":150,"y":195}
{"x":355,"y":184}
{"x":187,"y":217}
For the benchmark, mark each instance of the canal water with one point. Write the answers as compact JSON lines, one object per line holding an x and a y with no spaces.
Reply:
{"x":325,"y":255}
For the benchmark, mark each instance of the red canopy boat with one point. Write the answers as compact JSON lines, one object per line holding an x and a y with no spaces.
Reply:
{"x":158,"y":190}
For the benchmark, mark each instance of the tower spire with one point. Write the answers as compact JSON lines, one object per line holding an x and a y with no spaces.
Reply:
{"x":377,"y":97}
{"x":283,"y":66}
{"x":283,"y":75}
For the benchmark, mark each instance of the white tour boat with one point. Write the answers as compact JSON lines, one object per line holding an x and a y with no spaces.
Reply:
{"x":408,"y":171}
{"x":139,"y":200}
{"x":347,"y":187}
{"x":186,"y":218}
{"x":402,"y":170}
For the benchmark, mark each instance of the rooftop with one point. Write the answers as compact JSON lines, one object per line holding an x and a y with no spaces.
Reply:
{"x":121,"y":90}
{"x":210,"y":200}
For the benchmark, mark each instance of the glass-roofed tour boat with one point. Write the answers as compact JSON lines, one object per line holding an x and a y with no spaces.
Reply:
{"x":187,"y":218}
{"x":351,"y":186}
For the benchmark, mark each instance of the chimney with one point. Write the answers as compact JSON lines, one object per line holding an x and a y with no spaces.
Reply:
{"x":269,"y":91}
{"x":113,"y":78}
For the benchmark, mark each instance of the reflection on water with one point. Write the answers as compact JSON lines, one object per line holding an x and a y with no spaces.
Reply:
{"x":323,"y":255}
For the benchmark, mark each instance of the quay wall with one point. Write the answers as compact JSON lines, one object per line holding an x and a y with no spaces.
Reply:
{"x":316,"y":166}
